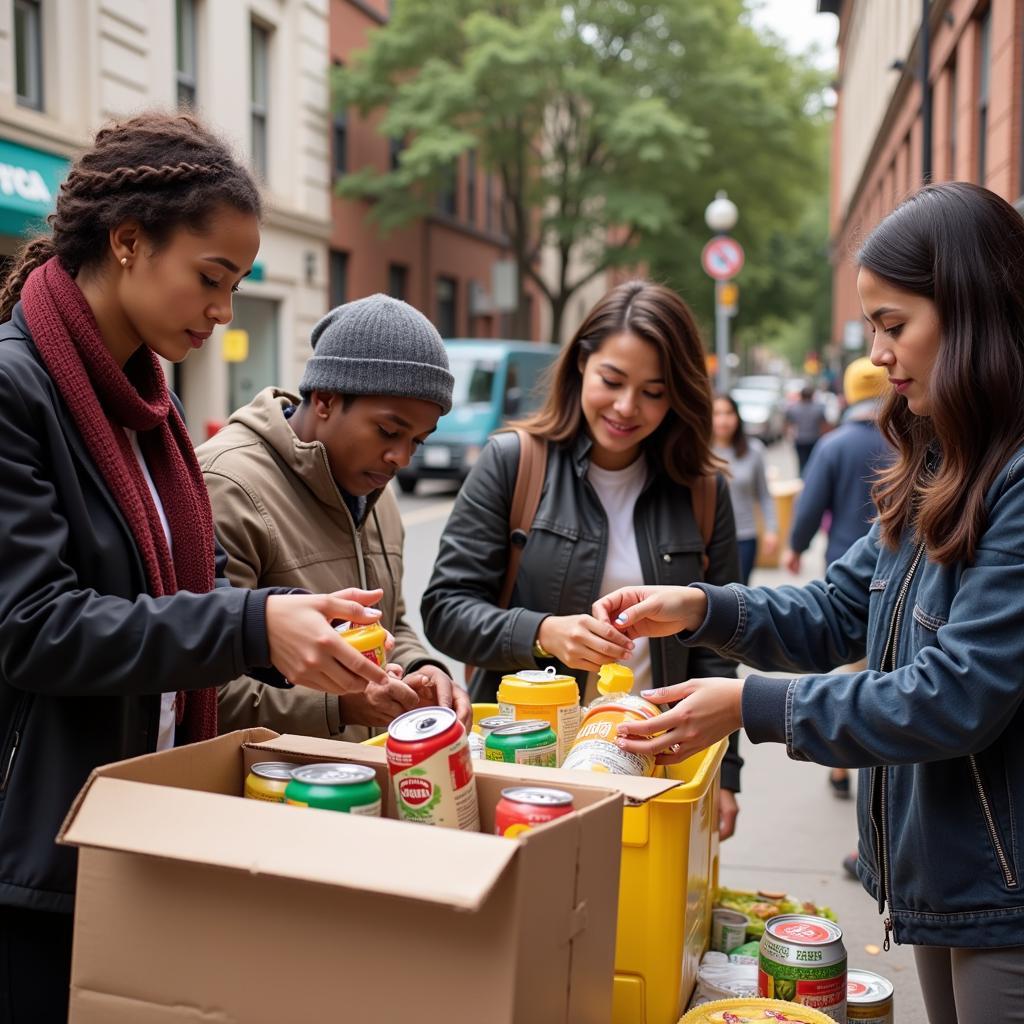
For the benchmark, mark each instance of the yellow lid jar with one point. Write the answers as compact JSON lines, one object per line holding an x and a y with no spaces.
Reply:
{"x":369,"y":640}
{"x":543,"y":694}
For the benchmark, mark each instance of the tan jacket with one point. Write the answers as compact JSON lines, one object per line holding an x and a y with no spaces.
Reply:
{"x":283,"y":522}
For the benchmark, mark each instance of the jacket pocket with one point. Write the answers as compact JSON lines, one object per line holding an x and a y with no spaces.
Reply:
{"x":1001,"y":849}
{"x":14,"y":738}
{"x":679,"y":563}
{"x":926,"y":626}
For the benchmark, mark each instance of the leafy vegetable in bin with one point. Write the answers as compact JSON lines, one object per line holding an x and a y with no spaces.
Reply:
{"x":760,"y":906}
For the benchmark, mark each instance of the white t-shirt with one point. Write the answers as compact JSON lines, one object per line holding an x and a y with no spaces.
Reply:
{"x":165,"y":735}
{"x":618,"y":490}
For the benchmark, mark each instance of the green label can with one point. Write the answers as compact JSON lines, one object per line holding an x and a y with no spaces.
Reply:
{"x":530,"y":742}
{"x":803,"y":959}
{"x":351,"y":788}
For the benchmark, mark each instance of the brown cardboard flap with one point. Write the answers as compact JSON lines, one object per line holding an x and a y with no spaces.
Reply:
{"x":456,"y":869}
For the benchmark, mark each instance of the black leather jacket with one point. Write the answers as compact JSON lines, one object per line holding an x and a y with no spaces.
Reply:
{"x":84,"y":652}
{"x":563,"y":565}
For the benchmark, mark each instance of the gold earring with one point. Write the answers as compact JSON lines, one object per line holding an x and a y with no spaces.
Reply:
{"x":124,"y":261}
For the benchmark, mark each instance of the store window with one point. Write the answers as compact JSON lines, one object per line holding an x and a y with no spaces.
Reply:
{"x":186,"y":51}
{"x":28,"y":53}
{"x":259,"y":96}
{"x":446,"y":294}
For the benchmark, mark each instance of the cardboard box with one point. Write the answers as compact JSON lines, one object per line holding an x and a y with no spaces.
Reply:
{"x":195,"y":905}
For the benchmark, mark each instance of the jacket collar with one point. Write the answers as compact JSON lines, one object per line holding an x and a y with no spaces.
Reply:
{"x":265,"y":417}
{"x":581,"y":449}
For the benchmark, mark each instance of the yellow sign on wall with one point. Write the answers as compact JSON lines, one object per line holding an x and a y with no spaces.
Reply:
{"x":235,"y":346}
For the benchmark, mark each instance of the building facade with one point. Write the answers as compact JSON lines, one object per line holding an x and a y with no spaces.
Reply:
{"x":453,"y":264}
{"x":896,"y":127}
{"x":256,"y":70}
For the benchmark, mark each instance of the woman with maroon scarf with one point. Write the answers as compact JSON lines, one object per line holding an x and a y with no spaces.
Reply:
{"x":116,"y":624}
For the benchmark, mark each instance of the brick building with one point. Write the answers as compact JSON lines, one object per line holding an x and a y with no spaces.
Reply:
{"x":442,"y":263}
{"x":885,"y":141}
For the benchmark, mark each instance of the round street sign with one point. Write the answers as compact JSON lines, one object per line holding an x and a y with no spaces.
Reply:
{"x":722,"y":258}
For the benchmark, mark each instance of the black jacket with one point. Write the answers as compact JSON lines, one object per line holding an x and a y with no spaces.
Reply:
{"x":84,"y":652}
{"x":563,"y":565}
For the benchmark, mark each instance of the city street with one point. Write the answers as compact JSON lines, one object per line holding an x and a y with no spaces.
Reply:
{"x":792,"y":833}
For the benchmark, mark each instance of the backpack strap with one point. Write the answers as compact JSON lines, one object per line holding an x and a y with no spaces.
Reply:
{"x":533,"y":464}
{"x":703,"y":494}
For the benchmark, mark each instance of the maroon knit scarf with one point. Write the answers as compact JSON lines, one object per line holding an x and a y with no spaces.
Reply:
{"x":104,"y":401}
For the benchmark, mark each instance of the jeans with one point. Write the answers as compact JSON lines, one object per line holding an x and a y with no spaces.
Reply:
{"x":748,"y":555}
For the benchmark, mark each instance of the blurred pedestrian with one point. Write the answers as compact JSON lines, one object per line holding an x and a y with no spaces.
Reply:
{"x":932,"y":596}
{"x":806,"y":421}
{"x":748,"y":484}
{"x":627,"y":425}
{"x":837,"y":485}
{"x":116,"y":623}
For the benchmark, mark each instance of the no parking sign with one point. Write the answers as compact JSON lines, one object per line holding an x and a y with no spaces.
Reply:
{"x":722,"y":258}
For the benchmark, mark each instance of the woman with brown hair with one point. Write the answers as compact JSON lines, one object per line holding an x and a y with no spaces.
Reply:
{"x":116,"y":623}
{"x":627,"y":424}
{"x":931,"y":596}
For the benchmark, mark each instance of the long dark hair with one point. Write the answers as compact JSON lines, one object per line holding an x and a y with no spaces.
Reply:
{"x":682,"y":442}
{"x":163,"y":170}
{"x":962,"y":247}
{"x":738,"y":442}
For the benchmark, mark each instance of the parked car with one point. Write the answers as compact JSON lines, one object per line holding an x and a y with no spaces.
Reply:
{"x":495,"y":381}
{"x":762,"y":411}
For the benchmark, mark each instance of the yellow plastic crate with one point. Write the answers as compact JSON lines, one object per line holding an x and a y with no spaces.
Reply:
{"x":666,"y":885}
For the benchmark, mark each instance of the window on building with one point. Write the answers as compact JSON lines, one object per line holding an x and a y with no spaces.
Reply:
{"x":398,"y":281}
{"x":339,"y":277}
{"x":259,"y":95}
{"x":952,"y":121}
{"x":28,"y":53}
{"x":447,"y":201}
{"x":489,"y":202}
{"x":984,"y":75}
{"x":471,"y":186}
{"x":339,"y":138}
{"x":446,"y":294}
{"x":395,"y":147}
{"x":185,"y":51}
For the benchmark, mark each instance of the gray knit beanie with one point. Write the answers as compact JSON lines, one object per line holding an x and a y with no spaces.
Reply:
{"x":378,"y":346}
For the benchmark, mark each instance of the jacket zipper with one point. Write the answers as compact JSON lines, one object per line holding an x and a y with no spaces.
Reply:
{"x":1004,"y":863}
{"x":19,"y":726}
{"x":881,"y":774}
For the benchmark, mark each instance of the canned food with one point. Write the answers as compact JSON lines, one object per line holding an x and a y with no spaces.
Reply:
{"x":869,"y":998}
{"x":530,"y":742}
{"x":476,"y":746}
{"x":769,"y":1011}
{"x":487,"y":725}
{"x":728,"y":929}
{"x":595,"y":749}
{"x":533,"y":695}
{"x":803,"y":959}
{"x":369,"y":640}
{"x":431,"y":769}
{"x":351,"y":788}
{"x":267,"y":780}
{"x":522,"y":808}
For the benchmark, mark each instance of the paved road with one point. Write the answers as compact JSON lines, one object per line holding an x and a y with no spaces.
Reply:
{"x":792,"y":833}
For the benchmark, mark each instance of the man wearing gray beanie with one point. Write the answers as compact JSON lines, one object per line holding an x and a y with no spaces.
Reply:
{"x":300,"y":499}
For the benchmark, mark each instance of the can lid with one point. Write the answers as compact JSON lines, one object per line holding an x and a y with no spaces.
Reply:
{"x":865,"y":988}
{"x":272,"y":769}
{"x":538,"y":687}
{"x":493,"y":722}
{"x":330,"y":774}
{"x":363,"y":638}
{"x":422,"y":724}
{"x":524,"y":728}
{"x":803,"y":929}
{"x":538,"y":796}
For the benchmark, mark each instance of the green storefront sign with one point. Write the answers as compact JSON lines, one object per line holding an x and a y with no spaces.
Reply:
{"x":29,"y":181}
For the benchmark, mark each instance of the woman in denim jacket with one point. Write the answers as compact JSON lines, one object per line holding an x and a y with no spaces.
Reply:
{"x":933,"y":597}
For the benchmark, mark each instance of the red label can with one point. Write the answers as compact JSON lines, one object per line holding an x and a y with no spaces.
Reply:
{"x":431,"y":770}
{"x":524,"y":807}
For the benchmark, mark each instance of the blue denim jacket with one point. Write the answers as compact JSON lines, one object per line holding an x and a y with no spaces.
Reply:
{"x":935,"y":720}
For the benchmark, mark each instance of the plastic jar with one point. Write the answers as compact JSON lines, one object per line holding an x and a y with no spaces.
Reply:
{"x":595,"y":749}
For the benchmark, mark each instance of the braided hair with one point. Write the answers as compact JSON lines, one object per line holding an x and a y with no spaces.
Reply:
{"x":161,"y":169}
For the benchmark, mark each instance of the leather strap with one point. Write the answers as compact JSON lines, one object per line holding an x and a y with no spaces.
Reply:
{"x":533,"y":464}
{"x":704,"y":498}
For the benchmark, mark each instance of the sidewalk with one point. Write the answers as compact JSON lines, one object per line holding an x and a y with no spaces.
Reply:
{"x":792,"y":835}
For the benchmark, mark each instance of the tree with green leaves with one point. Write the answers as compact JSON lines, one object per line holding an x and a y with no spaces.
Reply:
{"x":609,"y":124}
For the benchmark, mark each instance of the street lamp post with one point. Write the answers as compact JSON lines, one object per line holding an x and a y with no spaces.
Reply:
{"x":721,"y":216}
